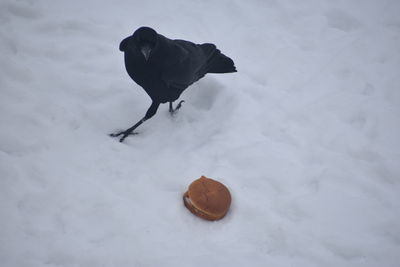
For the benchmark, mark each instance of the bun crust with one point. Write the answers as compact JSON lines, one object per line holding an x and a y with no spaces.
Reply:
{"x":207,"y":198}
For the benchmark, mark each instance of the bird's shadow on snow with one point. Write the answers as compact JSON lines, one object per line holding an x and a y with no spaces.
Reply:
{"x":207,"y":109}
{"x":204,"y":93}
{"x":208,"y":104}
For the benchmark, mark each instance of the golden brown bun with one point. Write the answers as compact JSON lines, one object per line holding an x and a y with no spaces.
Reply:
{"x":207,"y":198}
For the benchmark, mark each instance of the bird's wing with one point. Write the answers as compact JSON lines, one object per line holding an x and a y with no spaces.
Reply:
{"x":182,"y":65}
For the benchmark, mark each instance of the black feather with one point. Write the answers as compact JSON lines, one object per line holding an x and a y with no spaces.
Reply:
{"x":172,"y":66}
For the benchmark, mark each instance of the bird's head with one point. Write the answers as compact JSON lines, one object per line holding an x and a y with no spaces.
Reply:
{"x":146,"y":39}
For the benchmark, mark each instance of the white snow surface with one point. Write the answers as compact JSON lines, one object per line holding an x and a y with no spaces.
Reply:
{"x":305,"y":135}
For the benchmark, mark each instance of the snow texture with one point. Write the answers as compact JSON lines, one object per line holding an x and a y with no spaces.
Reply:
{"x":305,"y":135}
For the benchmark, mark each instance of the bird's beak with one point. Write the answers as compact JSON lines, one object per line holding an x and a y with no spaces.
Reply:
{"x":146,"y":49}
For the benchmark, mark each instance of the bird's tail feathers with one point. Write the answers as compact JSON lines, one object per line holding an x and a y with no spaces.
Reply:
{"x":221,"y":64}
{"x":217,"y":62}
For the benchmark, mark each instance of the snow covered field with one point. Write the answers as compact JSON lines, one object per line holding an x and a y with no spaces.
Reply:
{"x":305,"y":135}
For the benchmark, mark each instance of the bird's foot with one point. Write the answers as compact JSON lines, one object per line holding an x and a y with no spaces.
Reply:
{"x":172,"y":110}
{"x":124,"y":134}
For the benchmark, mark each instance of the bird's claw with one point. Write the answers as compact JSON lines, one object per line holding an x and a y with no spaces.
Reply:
{"x":172,"y":111}
{"x":123,"y":133}
{"x":179,"y":105}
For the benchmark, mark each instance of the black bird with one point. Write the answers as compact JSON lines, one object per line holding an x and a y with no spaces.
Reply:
{"x":165,"y":67}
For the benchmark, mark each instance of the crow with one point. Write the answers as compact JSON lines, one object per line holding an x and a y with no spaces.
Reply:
{"x":166,"y":67}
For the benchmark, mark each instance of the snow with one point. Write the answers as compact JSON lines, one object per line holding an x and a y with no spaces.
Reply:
{"x":305,"y":136}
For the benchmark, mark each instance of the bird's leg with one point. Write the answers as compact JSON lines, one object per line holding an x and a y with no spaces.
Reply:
{"x":150,"y":113}
{"x":172,"y":110}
